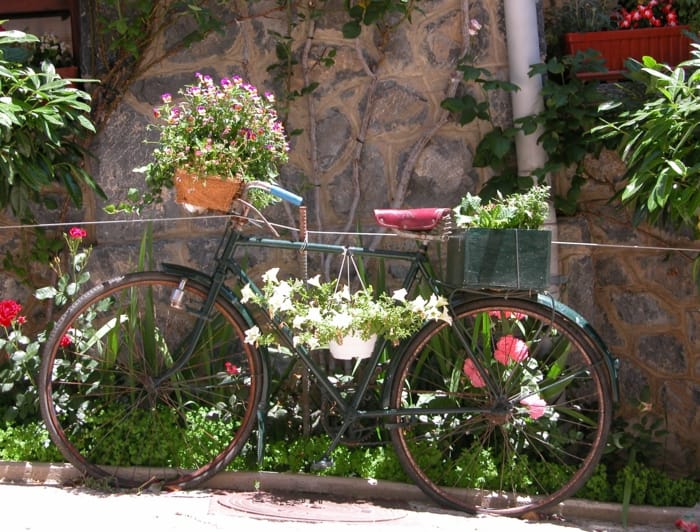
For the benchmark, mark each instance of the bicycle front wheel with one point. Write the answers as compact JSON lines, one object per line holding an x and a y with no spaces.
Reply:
{"x":130,"y":393}
{"x":509,"y":408}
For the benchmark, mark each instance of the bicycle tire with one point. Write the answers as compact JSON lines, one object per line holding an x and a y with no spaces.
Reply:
{"x":521,"y":437}
{"x":116,"y":405}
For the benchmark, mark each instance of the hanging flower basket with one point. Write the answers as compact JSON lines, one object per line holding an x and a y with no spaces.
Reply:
{"x":317,"y":314}
{"x":352,"y":346}
{"x":206,"y":192}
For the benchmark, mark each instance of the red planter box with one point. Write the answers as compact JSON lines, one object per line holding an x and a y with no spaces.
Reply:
{"x":666,"y":45}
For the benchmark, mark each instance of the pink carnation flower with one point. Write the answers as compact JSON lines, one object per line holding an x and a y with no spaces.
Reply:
{"x":474,"y":376}
{"x":510,"y":348}
{"x":536,"y":405}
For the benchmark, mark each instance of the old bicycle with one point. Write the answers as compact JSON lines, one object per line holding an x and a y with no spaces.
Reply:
{"x":505,"y":410}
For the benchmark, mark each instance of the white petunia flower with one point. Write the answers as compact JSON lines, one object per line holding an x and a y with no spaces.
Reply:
{"x":270,"y":276}
{"x":252,"y":335}
{"x":400,"y":295}
{"x":247,"y":293}
{"x":341,"y":321}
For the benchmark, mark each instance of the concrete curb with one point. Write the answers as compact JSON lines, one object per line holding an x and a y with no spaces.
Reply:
{"x":59,"y":473}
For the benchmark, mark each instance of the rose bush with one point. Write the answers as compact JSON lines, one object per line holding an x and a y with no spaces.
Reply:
{"x":19,"y":353}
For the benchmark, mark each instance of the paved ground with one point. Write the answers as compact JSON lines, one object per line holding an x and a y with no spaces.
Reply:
{"x":35,"y":501}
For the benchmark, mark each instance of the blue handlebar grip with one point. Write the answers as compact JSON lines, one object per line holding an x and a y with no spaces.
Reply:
{"x":286,"y":195}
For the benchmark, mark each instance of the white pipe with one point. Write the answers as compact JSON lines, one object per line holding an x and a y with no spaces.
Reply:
{"x":523,"y":51}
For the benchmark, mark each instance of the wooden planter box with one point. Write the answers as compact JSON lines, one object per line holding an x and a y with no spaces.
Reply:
{"x":666,"y":45}
{"x":499,"y":258}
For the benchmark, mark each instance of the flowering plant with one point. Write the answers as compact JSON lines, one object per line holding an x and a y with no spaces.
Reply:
{"x":510,"y":354}
{"x":19,"y":354}
{"x":227,"y":130}
{"x":50,"y":48}
{"x":319,"y":313}
{"x":650,"y":14}
{"x":526,"y":210}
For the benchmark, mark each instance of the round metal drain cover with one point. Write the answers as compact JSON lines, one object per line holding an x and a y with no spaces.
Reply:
{"x":307,"y":508}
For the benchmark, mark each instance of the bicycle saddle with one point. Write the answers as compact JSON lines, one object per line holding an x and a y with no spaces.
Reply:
{"x":423,"y":219}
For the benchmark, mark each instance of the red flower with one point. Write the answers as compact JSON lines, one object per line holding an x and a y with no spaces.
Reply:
{"x":232,"y":369}
{"x":65,"y":341}
{"x":9,"y":309}
{"x":686,"y":526}
{"x":77,"y":232}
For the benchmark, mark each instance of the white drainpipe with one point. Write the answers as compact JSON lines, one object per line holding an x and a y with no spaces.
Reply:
{"x":523,"y":51}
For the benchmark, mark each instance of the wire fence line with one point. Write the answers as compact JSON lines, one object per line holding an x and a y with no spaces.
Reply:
{"x":57,"y":225}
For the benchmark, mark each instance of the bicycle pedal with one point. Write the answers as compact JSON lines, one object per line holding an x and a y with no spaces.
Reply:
{"x":322,"y":464}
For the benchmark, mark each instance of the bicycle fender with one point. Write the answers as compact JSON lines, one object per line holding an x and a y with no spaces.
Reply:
{"x":611,"y":362}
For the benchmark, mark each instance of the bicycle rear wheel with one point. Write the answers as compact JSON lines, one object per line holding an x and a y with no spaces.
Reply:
{"x":123,"y":399}
{"x":521,"y":436}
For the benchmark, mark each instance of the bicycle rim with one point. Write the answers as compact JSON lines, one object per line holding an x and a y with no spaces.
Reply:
{"x":121,"y":402}
{"x":523,"y":435}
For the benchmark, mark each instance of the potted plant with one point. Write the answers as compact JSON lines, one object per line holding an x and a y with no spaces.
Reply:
{"x":329,"y":314}
{"x":640,"y":28}
{"x":211,"y":139}
{"x":43,"y":122}
{"x":499,"y":244}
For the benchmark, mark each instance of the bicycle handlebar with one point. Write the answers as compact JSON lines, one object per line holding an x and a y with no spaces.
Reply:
{"x":278,"y":191}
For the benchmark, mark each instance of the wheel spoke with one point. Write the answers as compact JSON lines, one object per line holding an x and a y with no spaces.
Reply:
{"x":536,"y":410}
{"x":119,"y":395}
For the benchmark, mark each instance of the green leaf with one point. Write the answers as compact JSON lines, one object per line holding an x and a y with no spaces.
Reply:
{"x":47,"y":292}
{"x":351,"y":30}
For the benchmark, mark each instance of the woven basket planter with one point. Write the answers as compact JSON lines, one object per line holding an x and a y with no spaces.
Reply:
{"x":210,"y":192}
{"x":499,"y":258}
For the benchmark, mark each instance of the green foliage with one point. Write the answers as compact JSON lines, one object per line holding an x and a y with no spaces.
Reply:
{"x":496,"y":149}
{"x":571,"y":110}
{"x":689,"y":13}
{"x":658,"y":139}
{"x":127,"y":27}
{"x":385,"y":14}
{"x":42,"y":119}
{"x":27,"y":442}
{"x":526,"y":210}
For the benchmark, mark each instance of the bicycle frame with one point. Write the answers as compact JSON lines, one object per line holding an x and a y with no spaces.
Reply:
{"x":227,"y":266}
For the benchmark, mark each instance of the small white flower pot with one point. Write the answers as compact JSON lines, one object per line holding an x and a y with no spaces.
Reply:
{"x":352,"y":347}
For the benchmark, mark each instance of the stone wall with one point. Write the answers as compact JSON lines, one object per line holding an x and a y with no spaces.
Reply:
{"x":374,"y":135}
{"x":634,"y":284}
